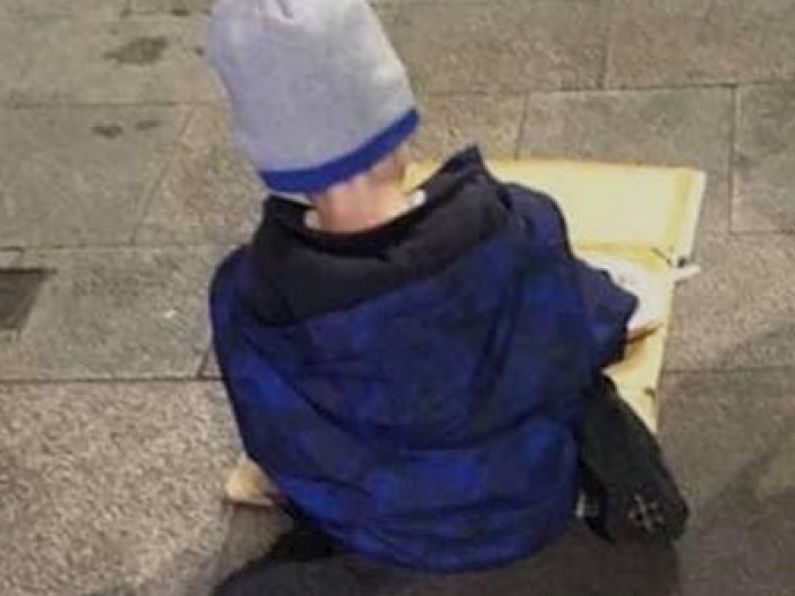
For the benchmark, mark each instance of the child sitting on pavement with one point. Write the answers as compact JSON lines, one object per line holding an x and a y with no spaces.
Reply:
{"x":413,"y":370}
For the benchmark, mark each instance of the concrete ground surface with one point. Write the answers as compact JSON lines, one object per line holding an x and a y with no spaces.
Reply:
{"x":117,"y":172}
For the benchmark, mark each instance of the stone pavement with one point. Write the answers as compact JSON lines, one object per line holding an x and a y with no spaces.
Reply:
{"x":117,"y":172}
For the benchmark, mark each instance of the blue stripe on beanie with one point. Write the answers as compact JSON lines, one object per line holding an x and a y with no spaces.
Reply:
{"x":320,"y":178}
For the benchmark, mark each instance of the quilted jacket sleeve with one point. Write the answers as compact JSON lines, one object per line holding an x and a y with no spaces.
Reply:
{"x":607,"y":306}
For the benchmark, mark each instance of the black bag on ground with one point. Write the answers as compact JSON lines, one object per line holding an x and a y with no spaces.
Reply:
{"x":630,"y":494}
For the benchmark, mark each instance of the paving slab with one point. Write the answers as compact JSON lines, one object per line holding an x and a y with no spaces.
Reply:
{"x":174,"y":7}
{"x":154,"y":59}
{"x":115,"y":314}
{"x":20,"y":42}
{"x":501,"y":45}
{"x":729,"y":438}
{"x":764,"y":168}
{"x":209,"y":192}
{"x":450,"y":122}
{"x":112,"y":488}
{"x":684,"y":42}
{"x":673,"y":127}
{"x":44,"y":9}
{"x":80,"y":176}
{"x":9,"y":257}
{"x":740,"y":312}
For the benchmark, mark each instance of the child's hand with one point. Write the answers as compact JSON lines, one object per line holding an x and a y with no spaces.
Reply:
{"x":248,"y":485}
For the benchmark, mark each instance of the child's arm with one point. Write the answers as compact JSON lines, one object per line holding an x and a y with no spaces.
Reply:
{"x":608,"y":307}
{"x":642,"y":283}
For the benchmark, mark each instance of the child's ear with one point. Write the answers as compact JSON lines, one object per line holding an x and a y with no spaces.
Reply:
{"x":405,"y":154}
{"x":403,"y":158}
{"x":391,"y":168}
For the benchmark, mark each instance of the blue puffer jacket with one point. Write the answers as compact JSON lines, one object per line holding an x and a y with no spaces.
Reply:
{"x":433,"y":425}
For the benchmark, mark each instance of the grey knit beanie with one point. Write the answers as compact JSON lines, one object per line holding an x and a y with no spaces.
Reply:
{"x":318,"y":94}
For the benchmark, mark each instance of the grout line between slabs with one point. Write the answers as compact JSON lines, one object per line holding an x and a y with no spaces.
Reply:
{"x":151,"y":194}
{"x":161,"y":380}
{"x":607,"y":54}
{"x":126,"y":247}
{"x":11,"y":105}
{"x":695,"y":85}
{"x":517,"y":150}
{"x":212,"y":381}
{"x":784,"y":232}
{"x":735,"y":116}
{"x":731,"y":370}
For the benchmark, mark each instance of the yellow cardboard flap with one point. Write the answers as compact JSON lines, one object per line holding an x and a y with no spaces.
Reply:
{"x":610,"y":204}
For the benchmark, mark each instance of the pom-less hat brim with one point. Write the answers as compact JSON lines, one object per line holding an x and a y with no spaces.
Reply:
{"x":324,"y":176}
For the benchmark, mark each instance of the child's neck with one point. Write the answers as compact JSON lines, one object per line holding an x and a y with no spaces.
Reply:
{"x":359,"y":205}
